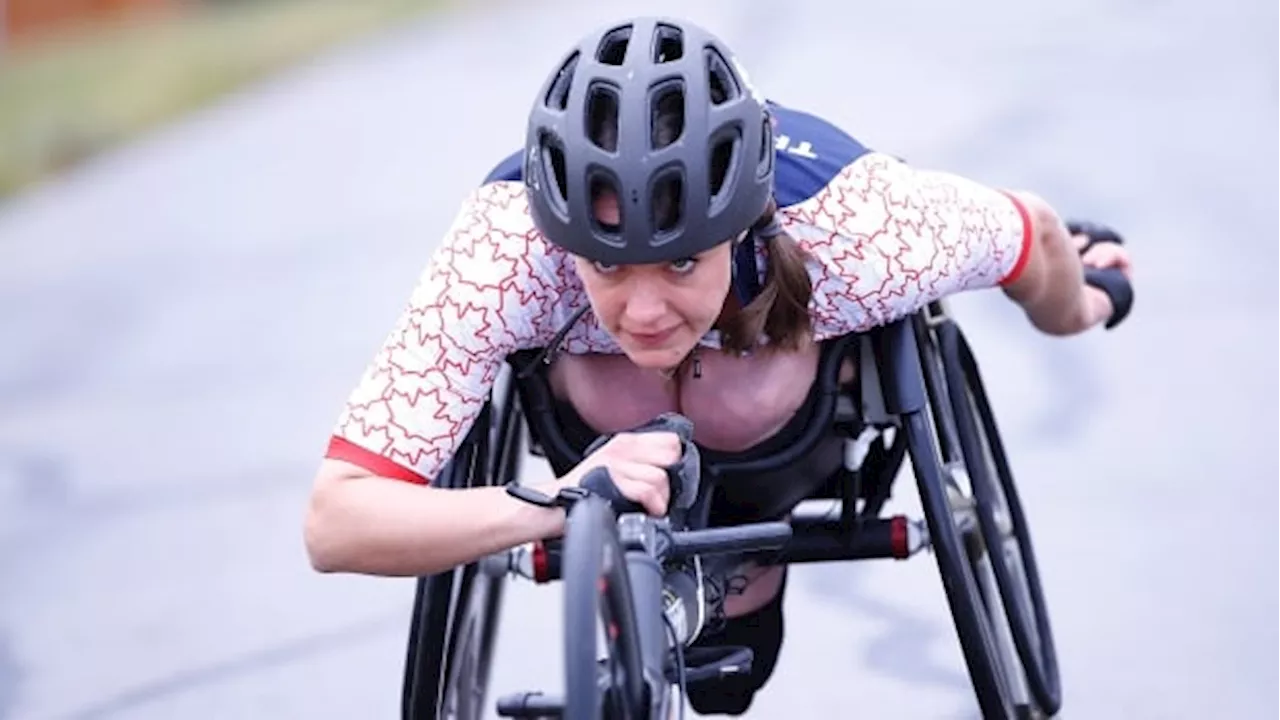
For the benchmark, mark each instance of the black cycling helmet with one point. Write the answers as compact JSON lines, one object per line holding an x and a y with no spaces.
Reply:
{"x":617,"y":81}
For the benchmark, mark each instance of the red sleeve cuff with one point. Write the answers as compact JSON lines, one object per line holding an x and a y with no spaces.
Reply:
{"x":1024,"y":252}
{"x":347,"y":451}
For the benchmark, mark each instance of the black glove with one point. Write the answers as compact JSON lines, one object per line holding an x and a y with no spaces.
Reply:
{"x":1096,"y":232}
{"x":1109,"y":280}
{"x":683,"y":476}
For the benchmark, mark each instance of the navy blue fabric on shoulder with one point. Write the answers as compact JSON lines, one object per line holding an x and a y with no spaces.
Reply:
{"x":811,"y":152}
{"x":511,"y":169}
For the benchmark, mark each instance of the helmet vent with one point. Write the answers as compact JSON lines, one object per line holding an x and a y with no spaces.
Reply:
{"x":725,"y":149}
{"x":765,"y":162}
{"x":721,"y":82}
{"x":553,"y":167}
{"x":558,"y":94}
{"x":668,"y":44}
{"x":667,"y":201}
{"x":601,"y":185}
{"x":602,"y":116}
{"x":613,"y":47}
{"x":666,"y":114}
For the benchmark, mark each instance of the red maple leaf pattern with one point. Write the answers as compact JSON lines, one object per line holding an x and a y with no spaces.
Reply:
{"x":885,"y":240}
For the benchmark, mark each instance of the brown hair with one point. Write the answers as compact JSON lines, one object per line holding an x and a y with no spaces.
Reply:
{"x":780,"y":312}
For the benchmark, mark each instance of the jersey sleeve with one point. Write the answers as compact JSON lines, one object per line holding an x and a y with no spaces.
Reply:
{"x":485,"y":293}
{"x":887,"y":239}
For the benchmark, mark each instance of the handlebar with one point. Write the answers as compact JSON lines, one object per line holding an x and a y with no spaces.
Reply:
{"x":742,"y":538}
{"x":534,"y":562}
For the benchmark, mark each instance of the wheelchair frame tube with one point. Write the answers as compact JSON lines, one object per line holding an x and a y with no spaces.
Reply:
{"x":638,"y":537}
{"x":897,"y":354}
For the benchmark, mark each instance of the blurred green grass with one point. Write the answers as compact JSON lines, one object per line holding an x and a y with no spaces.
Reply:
{"x":66,"y":99}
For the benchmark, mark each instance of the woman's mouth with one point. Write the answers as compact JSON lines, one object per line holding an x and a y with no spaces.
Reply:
{"x":650,"y":340}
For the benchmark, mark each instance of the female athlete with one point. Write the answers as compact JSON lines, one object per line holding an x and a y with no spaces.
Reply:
{"x":695,"y":243}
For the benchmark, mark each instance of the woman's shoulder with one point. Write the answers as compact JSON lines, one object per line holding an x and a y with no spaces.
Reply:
{"x":884,"y":239}
{"x":810,"y":152}
{"x":498,"y":265}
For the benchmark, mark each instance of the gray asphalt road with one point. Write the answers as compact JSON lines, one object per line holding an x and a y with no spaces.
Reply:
{"x":180,"y":322}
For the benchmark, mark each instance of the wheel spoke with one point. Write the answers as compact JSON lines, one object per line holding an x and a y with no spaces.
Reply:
{"x":1006,"y":652}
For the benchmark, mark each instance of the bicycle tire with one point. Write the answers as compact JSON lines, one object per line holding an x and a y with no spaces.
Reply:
{"x":596,"y":585}
{"x":984,"y":451}
{"x":968,"y":612}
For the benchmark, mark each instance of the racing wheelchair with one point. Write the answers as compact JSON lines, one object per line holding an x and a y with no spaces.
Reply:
{"x":917,"y":395}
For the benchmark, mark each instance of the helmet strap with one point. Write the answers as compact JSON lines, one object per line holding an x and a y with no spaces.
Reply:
{"x":548,"y":354}
{"x":745,"y":269}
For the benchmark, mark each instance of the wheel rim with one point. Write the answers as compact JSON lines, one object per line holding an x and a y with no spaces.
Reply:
{"x":456,"y":613}
{"x":964,"y":597}
{"x":471,"y":645}
{"x":953,"y":527}
{"x":1003,"y":523}
{"x":464,"y":696}
{"x":468,"y":660}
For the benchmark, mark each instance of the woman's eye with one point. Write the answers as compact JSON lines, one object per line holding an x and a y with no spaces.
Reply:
{"x":604,"y":268}
{"x":684,"y":265}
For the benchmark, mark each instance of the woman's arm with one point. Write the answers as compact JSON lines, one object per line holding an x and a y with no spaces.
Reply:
{"x":361,"y":523}
{"x":890,"y":238}
{"x":1050,"y":287}
{"x":490,"y":289}
{"x":372,"y":509}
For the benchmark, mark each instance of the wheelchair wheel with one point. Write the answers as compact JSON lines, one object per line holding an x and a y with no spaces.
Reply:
{"x":597,"y":590}
{"x":456,"y":613}
{"x":964,"y":597}
{"x":933,"y":448}
{"x":1003,"y":524}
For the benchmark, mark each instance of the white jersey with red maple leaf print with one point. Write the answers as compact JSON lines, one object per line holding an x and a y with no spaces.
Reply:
{"x":885,"y":240}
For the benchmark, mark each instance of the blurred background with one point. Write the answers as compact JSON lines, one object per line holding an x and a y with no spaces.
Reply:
{"x":79,"y":76}
{"x":212,"y":211}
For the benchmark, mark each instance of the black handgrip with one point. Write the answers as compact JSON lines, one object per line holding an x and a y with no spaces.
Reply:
{"x":1117,"y":287}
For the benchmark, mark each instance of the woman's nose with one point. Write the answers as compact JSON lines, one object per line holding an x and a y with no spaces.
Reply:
{"x":645,"y":303}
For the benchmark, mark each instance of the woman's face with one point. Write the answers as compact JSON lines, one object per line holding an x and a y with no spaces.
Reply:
{"x":657,"y":312}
